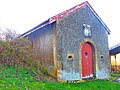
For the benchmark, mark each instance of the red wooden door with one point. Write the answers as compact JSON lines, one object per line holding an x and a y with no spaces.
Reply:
{"x":87,"y":61}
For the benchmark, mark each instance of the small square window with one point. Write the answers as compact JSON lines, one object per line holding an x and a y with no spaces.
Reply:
{"x":70,"y":56}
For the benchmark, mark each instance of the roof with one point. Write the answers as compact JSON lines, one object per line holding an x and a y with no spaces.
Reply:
{"x":36,"y":28}
{"x":115,"y":49}
{"x":65,"y":13}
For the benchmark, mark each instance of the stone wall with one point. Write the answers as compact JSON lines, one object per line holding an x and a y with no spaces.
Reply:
{"x":69,"y":32}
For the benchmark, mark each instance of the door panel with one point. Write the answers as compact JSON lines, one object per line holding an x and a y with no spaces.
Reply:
{"x":87,"y":61}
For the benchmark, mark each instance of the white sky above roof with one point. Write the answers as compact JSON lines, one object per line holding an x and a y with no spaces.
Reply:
{"x":22,"y":15}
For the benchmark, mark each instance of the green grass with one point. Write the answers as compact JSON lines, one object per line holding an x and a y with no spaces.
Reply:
{"x":17,"y":78}
{"x":115,"y":74}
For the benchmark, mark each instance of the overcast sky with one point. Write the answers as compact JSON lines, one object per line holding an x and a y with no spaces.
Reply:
{"x":22,"y":15}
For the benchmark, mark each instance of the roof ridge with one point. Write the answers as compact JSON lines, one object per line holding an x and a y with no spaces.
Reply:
{"x":67,"y":12}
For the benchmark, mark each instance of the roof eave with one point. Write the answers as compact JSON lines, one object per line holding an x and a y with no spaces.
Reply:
{"x":99,"y":19}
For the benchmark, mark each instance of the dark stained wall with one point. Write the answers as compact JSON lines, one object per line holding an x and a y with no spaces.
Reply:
{"x":42,"y":40}
{"x":70,"y":35}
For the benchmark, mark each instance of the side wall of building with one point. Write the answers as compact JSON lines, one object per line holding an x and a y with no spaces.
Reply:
{"x":69,"y":38}
{"x":42,"y":41}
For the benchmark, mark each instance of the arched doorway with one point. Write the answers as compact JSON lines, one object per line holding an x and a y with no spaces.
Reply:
{"x":87,"y":60}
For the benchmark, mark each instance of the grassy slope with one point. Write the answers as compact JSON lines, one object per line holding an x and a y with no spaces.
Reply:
{"x":24,"y":79}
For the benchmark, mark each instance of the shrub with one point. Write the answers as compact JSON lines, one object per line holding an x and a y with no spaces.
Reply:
{"x":15,"y":51}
